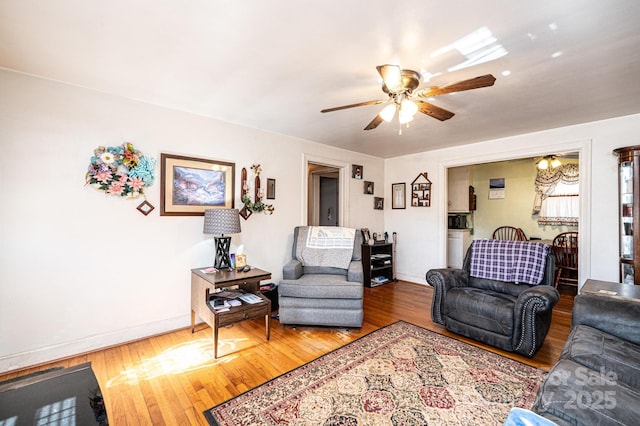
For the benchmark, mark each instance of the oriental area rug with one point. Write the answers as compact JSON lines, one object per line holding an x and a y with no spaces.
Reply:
{"x":401,"y":374}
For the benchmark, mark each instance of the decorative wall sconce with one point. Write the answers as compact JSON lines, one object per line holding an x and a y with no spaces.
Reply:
{"x":256,"y":205}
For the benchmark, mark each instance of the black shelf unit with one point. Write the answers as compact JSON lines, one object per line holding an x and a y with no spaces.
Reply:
{"x":378,"y":262}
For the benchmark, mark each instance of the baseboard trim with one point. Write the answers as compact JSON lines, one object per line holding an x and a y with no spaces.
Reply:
{"x":412,"y":278}
{"x":9,"y":363}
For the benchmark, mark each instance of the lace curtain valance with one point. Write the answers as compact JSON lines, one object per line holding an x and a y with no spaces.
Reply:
{"x":557,"y":195}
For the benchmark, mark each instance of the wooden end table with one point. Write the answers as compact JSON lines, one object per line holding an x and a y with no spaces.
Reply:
{"x":203,"y":285}
{"x":611,"y":289}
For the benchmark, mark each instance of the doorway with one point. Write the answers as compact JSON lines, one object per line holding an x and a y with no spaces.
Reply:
{"x":323,"y":197}
{"x":483,"y":218}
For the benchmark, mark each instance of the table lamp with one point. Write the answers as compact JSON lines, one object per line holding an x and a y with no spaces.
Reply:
{"x":222,"y":221}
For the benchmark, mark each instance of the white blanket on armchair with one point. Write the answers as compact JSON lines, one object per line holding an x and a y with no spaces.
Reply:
{"x":329,"y":246}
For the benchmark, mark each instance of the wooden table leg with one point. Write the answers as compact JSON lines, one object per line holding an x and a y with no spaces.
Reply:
{"x":267,"y":319}
{"x":215,"y":336}
{"x":193,"y":321}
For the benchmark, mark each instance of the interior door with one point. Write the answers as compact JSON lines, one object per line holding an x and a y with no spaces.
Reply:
{"x":328,"y":201}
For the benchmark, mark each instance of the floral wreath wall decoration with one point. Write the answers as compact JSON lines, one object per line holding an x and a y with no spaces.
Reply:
{"x":121,"y":170}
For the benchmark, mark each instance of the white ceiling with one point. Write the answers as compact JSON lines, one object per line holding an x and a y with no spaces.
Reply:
{"x":275,"y":64}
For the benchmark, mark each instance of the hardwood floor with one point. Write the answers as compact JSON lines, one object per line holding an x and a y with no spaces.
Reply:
{"x":171,"y":378}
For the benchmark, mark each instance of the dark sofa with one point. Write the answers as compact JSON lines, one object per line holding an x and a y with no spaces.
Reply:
{"x":597,"y":379}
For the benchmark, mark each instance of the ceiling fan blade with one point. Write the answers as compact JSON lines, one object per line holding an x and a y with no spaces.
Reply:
{"x":434,"y":111}
{"x":374,"y":123}
{"x":353,"y":105}
{"x":460,"y":86}
{"x":392,"y":77}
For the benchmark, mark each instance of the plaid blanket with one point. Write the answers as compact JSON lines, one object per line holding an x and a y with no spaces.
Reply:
{"x":509,"y":261}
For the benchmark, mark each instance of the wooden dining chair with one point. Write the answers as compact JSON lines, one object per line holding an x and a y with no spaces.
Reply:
{"x":509,"y":233}
{"x":565,"y":250}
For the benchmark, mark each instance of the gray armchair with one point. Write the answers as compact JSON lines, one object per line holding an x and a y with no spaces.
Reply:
{"x":321,"y":295}
{"x":509,"y":316}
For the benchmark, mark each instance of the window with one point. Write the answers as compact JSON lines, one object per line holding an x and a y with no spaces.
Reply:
{"x":557,"y":200}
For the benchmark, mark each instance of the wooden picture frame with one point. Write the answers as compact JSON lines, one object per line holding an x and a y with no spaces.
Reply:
{"x":271,"y":189}
{"x":145,"y":207}
{"x":190,"y":185}
{"x":368,"y":187}
{"x":398,"y":195}
{"x":378,"y":203}
{"x":356,"y":171}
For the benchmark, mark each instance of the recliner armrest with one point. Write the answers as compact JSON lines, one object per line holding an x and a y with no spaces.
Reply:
{"x":548,"y":296}
{"x":442,"y":280}
{"x":355,"y":272}
{"x":292,"y":270}
{"x":532,"y":318}
{"x":447,"y":278}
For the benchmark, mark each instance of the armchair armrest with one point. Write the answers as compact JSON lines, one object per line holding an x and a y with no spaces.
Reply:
{"x":532,"y":318}
{"x":614,"y":316}
{"x":292,"y":270}
{"x":355,"y":273}
{"x":441,"y":280}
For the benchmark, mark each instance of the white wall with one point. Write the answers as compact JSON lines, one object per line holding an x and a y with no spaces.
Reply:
{"x":422,"y":231}
{"x":81,"y":270}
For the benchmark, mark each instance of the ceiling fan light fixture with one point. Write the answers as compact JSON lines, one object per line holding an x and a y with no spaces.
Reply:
{"x":408,"y":109}
{"x":404,"y":118}
{"x":392,"y":77}
{"x":388,"y":112}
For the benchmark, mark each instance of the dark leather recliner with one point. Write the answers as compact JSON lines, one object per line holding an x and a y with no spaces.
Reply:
{"x":513,"y":317}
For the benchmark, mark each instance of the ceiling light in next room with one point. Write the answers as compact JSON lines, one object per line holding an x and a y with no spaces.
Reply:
{"x":548,"y":161}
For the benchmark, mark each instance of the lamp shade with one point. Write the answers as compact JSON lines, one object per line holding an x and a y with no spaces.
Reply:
{"x":221,"y":221}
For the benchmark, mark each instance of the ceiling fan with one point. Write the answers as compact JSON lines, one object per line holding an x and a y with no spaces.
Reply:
{"x":400,"y":85}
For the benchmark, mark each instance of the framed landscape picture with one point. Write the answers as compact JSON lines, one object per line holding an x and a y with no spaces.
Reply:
{"x":189,"y":186}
